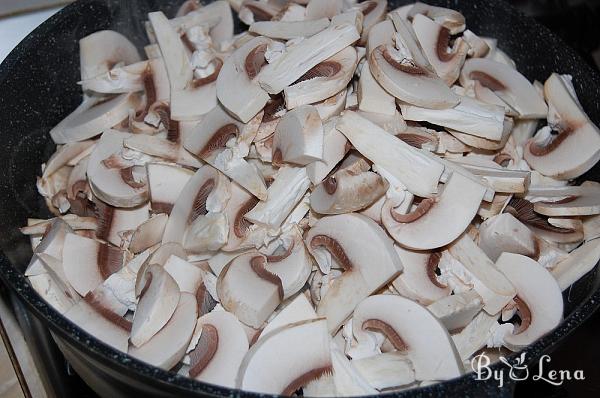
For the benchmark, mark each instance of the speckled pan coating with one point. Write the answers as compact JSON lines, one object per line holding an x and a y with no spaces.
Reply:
{"x":37,"y":89}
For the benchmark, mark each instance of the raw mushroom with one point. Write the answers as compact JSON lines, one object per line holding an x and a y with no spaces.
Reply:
{"x":568,"y":201}
{"x":103,"y":50}
{"x":298,"y":309}
{"x":165,"y":184}
{"x":334,"y":149}
{"x":578,"y":263}
{"x":452,"y":20}
{"x":287,"y":30}
{"x":458,"y":310}
{"x":504,"y":233}
{"x":298,"y":137}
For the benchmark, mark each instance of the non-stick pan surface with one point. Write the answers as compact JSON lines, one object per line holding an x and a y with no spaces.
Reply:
{"x":38,"y":88}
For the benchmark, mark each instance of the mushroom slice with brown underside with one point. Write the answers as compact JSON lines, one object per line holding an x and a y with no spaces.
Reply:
{"x":116,"y":225}
{"x":304,"y":56}
{"x":469,"y":116}
{"x":452,"y":20}
{"x":297,"y":309}
{"x":578,"y":263}
{"x":217,"y":15}
{"x":304,"y":344}
{"x":123,"y":79}
{"x":287,"y":30}
{"x":347,"y":191}
{"x":249,"y":290}
{"x":206,"y":192}
{"x":458,"y":310}
{"x":511,"y":86}
{"x":256,"y":11}
{"x":423,"y":349}
{"x":113,"y":179}
{"x":94,"y":116}
{"x":237,"y":85}
{"x":168,"y":345}
{"x":418,"y":280}
{"x":567,"y":201}
{"x":539,"y":299}
{"x":437,"y":221}
{"x":353,"y":243}
{"x":434,"y":39}
{"x":157,"y":303}
{"x":373,"y":11}
{"x":415,"y":170}
{"x":217,"y":356}
{"x":494,"y":288}
{"x":322,"y":81}
{"x":242,"y":233}
{"x":484,"y":94}
{"x":372,"y":97}
{"x":298,"y":137}
{"x":504,"y":233}
{"x":165,"y":183}
{"x":382,"y":33}
{"x":102,"y":50}
{"x":87,"y":262}
{"x":553,"y":155}
{"x":334,"y":150}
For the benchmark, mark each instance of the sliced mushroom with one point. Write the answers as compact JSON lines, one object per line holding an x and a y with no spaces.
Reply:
{"x":322,"y":81}
{"x":347,"y":191}
{"x":577,"y":134}
{"x":316,"y":9}
{"x":423,"y":349}
{"x":116,"y":225}
{"x":158,"y":301}
{"x":188,"y":276}
{"x":304,"y":56}
{"x":352,"y":16}
{"x":381,"y":34}
{"x":475,"y":335}
{"x":168,"y":345}
{"x":484,"y":143}
{"x":450,"y":19}
{"x":287,"y":30}
{"x":435,"y":222}
{"x":124,"y":79}
{"x":298,"y":137}
{"x":567,"y":201}
{"x":65,"y":155}
{"x":373,"y":11}
{"x":500,"y":179}
{"x":478,"y":48}
{"x":458,"y":310}
{"x":249,"y":290}
{"x":256,"y":11}
{"x":508,"y":84}
{"x":216,"y":15}
{"x":387,"y":370}
{"x":222,"y":346}
{"x":52,"y":290}
{"x":207,"y":234}
{"x":169,"y":148}
{"x":335,"y":240}
{"x":102,"y":50}
{"x":494,"y":288}
{"x":417,"y":172}
{"x":434,"y":39}
{"x":52,"y":244}
{"x":372,"y":97}
{"x":334,"y":150}
{"x":165,"y":183}
{"x":504,"y":233}
{"x":539,"y":299}
{"x":304,"y":344}
{"x":578,"y":263}
{"x":298,"y":309}
{"x":418,"y":280}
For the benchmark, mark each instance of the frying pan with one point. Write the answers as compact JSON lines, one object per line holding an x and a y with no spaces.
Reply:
{"x":38,"y":88}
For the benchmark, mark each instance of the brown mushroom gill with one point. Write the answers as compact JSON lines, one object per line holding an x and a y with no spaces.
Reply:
{"x":106,"y":313}
{"x":368,"y":7}
{"x":129,"y":179}
{"x":541,"y":150}
{"x":204,"y":300}
{"x":205,"y":350}
{"x":258,"y":13}
{"x":240,"y":224}
{"x":110,"y":260}
{"x":443,"y":42}
{"x":414,"y":140}
{"x":161,"y":207}
{"x":276,"y":258}
{"x":422,"y":209}
{"x":376,"y":325}
{"x":277,"y":158}
{"x":502,"y":159}
{"x":524,"y":314}
{"x":275,"y":105}
{"x":407,"y":67}
{"x":150,"y":89}
{"x":432,"y":264}
{"x":258,"y":264}
{"x":334,"y":247}
{"x":522,"y":210}
{"x":330,"y":185}
{"x":203,"y":81}
{"x":104,"y":217}
{"x":324,"y":69}
{"x":305,"y":379}
{"x":255,"y":61}
{"x":219,"y":139}
{"x":487,"y":81}
{"x":199,"y":203}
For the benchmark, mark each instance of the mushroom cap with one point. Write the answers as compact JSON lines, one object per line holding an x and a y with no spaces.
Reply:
{"x":426,"y":345}
{"x":102,"y":50}
{"x":539,"y":292}
{"x":287,"y":358}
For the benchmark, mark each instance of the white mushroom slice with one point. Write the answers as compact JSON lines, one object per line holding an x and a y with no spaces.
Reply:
{"x":372,"y":97}
{"x":188,"y":276}
{"x":494,"y":288}
{"x":206,"y":234}
{"x":484,"y":143}
{"x":304,"y":56}
{"x":93,"y":117}
{"x":552,"y":155}
{"x":539,"y":299}
{"x":418,"y":280}
{"x":124,"y":79}
{"x":316,"y":9}
{"x":500,"y":179}
{"x":87,"y":263}
{"x":222,"y":346}
{"x":434,"y":39}
{"x":256,"y":11}
{"x":416,"y":171}
{"x":486,"y":95}
{"x":452,"y":20}
{"x":289,"y":30}
{"x":291,"y":11}
{"x":591,"y":228}
{"x":345,"y":380}
{"x":352,"y":16}
{"x":508,"y":84}
{"x":109,"y":328}
{"x":52,"y":244}
{"x":299,"y":309}
{"x":304,"y":344}
{"x":116,"y":225}
{"x":332,"y":106}
{"x":65,"y":154}
{"x":475,"y":335}
{"x":578,"y":263}
{"x":207,"y":191}
{"x":394,"y":125}
{"x":334,"y":150}
{"x":458,"y":310}
{"x":347,"y":191}
{"x":387,"y":370}
{"x":169,"y":148}
{"x":216,"y":15}
{"x":165,"y":183}
{"x":427,"y":344}
{"x":469,"y":116}
{"x":436,"y":221}
{"x":299,"y":137}
{"x":568,"y":201}
{"x":102,"y":50}
{"x":373,"y":11}
{"x":148,"y":234}
{"x":237,"y":85}
{"x":168,"y":346}
{"x":114,"y":180}
{"x":336,"y":239}
{"x":249,"y":290}
{"x":283,"y":195}
{"x":504,"y":233}
{"x":50,"y":289}
{"x":478,"y":48}
{"x":382,"y":33}
{"x":157,"y":303}
{"x":242,"y":234}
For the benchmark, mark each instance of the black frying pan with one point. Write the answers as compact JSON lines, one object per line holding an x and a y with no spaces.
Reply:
{"x":38,"y":88}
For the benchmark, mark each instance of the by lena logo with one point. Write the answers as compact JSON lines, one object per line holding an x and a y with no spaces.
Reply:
{"x":519,"y":370}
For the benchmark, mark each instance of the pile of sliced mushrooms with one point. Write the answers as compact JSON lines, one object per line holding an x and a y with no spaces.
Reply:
{"x":342,"y":200}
